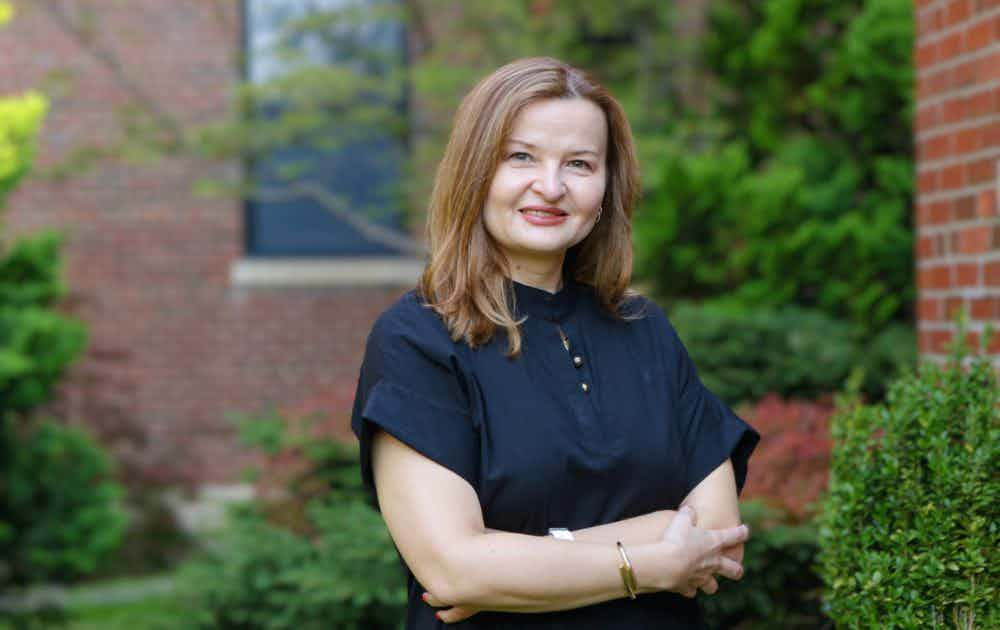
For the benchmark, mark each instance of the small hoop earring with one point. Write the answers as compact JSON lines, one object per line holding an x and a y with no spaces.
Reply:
{"x":599,"y":212}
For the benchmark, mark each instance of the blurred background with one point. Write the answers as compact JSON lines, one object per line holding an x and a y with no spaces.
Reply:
{"x":206,"y":203}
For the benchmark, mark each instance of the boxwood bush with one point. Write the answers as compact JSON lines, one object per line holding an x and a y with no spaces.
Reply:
{"x":910,"y":529}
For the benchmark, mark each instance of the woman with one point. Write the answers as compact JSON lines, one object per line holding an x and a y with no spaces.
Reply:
{"x":522,"y":387}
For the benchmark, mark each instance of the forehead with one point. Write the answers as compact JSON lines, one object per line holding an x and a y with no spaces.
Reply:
{"x":562,"y":124}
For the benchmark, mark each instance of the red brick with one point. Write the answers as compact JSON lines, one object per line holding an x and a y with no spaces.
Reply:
{"x":926,"y":55}
{"x":970,"y":139}
{"x":991,"y":274}
{"x":983,"y":170}
{"x":955,"y":110}
{"x":950,"y":46}
{"x":979,"y":35}
{"x":929,"y":309}
{"x":957,"y":11}
{"x":933,"y":341}
{"x":985,"y":308}
{"x":967,"y":275}
{"x":951,"y":305}
{"x":927,"y":182}
{"x":954,"y":176}
{"x":989,"y":67}
{"x":941,"y":212}
{"x":928,"y":117}
{"x":986,"y":203}
{"x":974,"y":239}
{"x":936,"y":277}
{"x":965,"y":208}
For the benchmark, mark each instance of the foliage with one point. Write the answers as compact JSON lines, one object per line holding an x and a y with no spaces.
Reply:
{"x":791,"y":464}
{"x":794,"y":185}
{"x":780,"y":590}
{"x":910,"y":527}
{"x":20,"y":119}
{"x":58,"y":511}
{"x":294,"y":562}
{"x":744,"y":354}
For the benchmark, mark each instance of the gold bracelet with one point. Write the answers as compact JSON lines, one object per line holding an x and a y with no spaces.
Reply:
{"x":628,"y":576}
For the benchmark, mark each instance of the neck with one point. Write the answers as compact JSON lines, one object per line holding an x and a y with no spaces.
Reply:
{"x":547,"y":276}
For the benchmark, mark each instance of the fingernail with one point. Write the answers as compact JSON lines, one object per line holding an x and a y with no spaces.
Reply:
{"x":438,"y":615}
{"x":424,"y":597}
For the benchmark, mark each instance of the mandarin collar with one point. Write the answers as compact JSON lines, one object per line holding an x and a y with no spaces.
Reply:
{"x":540,"y":303}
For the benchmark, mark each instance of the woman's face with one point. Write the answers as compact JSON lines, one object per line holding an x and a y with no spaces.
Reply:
{"x":555,"y":158}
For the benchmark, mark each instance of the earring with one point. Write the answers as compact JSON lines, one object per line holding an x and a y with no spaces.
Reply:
{"x":599,"y":211}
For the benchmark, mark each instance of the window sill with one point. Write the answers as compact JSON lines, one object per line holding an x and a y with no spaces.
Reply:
{"x":325,"y":272}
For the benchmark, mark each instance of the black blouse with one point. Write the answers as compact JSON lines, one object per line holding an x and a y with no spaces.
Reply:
{"x":618,"y":426}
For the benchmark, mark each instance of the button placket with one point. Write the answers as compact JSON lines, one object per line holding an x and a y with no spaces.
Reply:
{"x":576,"y":356}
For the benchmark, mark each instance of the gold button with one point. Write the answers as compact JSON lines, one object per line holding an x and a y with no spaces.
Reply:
{"x":578,"y":361}
{"x":585,"y":387}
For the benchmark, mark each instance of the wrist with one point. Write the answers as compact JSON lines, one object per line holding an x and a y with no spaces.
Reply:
{"x":649,"y":564}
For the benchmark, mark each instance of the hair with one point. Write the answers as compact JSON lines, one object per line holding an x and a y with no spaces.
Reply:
{"x":467,"y":279}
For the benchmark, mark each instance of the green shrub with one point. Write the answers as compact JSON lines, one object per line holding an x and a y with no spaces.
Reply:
{"x":317,"y":556}
{"x":911,"y":526}
{"x":781,"y":589}
{"x":744,"y":354}
{"x":59,"y":511}
{"x":792,"y":183}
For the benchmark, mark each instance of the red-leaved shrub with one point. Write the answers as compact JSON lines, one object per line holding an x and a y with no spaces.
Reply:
{"x":790,"y":467}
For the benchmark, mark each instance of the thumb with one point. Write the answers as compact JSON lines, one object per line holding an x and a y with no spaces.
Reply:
{"x":683,"y":520}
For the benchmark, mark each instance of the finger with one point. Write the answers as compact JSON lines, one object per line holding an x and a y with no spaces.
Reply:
{"x":455,"y":614}
{"x":729,"y":568}
{"x":731,"y":536}
{"x":689,"y":593}
{"x":433,"y":601}
{"x":710,"y":586}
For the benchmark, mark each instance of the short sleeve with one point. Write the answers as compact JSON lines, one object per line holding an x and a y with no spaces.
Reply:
{"x":710,"y":431}
{"x":411,"y":386}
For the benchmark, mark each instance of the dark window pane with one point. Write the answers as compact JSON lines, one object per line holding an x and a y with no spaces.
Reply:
{"x":361,"y":172}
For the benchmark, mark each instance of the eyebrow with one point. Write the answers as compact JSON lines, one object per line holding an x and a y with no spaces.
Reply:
{"x":532,"y":146}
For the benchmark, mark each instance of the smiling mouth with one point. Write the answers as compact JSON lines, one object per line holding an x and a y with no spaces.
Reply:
{"x":543,"y":213}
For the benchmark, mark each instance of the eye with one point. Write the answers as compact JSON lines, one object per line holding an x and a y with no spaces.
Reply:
{"x":517,"y":153}
{"x":581,"y":163}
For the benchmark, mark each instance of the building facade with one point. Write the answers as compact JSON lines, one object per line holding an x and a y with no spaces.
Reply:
{"x":957,"y":136}
{"x":200,"y":308}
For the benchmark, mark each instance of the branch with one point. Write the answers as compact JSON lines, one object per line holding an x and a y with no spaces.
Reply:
{"x":111,"y":61}
{"x":368,"y":228}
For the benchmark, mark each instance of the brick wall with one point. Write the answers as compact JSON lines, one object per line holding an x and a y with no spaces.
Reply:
{"x":175,"y":343}
{"x":957,"y":56}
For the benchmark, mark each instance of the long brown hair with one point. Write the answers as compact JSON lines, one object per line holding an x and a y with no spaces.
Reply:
{"x":467,"y":277}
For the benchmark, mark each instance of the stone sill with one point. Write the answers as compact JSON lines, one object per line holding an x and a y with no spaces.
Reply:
{"x":362,"y":271}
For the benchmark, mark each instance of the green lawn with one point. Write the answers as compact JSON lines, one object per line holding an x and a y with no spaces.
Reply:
{"x":157,"y":613}
{"x":126,"y":604}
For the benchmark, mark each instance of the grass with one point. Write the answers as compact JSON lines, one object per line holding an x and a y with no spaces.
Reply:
{"x":155,"y":613}
{"x":126,"y":604}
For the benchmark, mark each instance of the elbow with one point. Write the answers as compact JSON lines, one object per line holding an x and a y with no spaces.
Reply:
{"x":455,"y":580}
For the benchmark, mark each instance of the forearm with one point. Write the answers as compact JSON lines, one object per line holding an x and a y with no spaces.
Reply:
{"x":647,"y":528}
{"x":523,"y":573}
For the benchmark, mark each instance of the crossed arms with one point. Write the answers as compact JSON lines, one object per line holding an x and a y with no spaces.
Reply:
{"x":435,"y":519}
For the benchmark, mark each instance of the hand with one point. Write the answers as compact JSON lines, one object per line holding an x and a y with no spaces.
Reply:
{"x":453,"y":614}
{"x":697,"y":554}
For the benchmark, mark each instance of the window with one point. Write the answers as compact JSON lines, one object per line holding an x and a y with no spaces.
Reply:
{"x":361,"y":166}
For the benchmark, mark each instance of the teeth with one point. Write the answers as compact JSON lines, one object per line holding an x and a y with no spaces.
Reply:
{"x":541,"y":213}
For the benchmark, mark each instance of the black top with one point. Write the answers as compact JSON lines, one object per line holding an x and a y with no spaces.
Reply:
{"x":542,"y":450}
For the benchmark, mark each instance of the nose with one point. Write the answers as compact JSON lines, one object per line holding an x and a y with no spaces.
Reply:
{"x":549,"y":184}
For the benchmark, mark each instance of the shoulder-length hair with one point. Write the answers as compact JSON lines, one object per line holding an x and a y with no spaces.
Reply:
{"x":467,"y":277}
